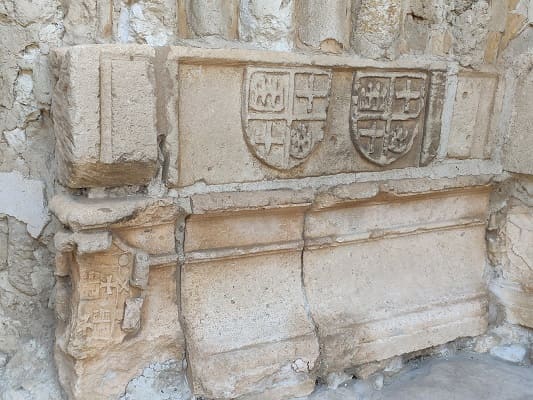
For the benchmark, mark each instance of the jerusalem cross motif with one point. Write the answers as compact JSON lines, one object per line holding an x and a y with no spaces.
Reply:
{"x":284,"y":113}
{"x":387,"y":113}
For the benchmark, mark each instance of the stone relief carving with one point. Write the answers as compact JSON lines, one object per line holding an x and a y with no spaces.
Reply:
{"x":387,"y":113}
{"x":284,"y":113}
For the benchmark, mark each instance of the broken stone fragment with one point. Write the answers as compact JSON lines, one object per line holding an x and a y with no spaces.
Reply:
{"x":132,"y":314}
{"x":141,"y":269}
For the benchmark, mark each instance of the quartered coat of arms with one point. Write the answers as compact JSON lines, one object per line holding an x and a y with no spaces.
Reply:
{"x":284,"y":113}
{"x":387,"y":113}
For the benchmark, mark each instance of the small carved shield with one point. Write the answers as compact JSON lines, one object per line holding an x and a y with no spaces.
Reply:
{"x":387,"y":113}
{"x":284,"y":113}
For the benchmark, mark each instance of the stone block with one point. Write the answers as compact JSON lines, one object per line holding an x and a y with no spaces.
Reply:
{"x":323,"y":24}
{"x":295,"y":121}
{"x":4,"y":240}
{"x":517,"y":150}
{"x":248,"y":332}
{"x":377,"y":27}
{"x":209,"y":18}
{"x":470,"y":126}
{"x":121,"y":318}
{"x":388,"y":277}
{"x":104,"y":115}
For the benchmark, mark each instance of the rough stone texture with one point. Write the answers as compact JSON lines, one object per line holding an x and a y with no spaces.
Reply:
{"x":324,"y":25}
{"x":248,"y":336}
{"x":105,"y":127}
{"x":447,"y":40}
{"x":113,"y":325}
{"x":267,"y":23}
{"x":351,"y":253}
{"x":377,"y":39}
{"x":517,"y":157}
{"x":209,"y":18}
{"x":470,"y":127}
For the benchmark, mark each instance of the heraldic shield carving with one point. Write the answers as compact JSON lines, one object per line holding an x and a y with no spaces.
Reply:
{"x":284,"y":113}
{"x":387,"y":113}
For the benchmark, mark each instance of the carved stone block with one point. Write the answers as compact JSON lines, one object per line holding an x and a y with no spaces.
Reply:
{"x":284,"y":113}
{"x":297,"y":119}
{"x":103,"y":309}
{"x":413,"y":266}
{"x":387,"y":118}
{"x":243,"y":306}
{"x":104,"y":115}
{"x":470,"y":128}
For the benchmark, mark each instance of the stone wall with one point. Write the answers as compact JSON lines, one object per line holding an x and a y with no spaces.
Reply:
{"x":258,"y":193}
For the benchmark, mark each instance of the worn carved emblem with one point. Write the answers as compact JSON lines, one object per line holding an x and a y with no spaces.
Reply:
{"x":284,"y":113}
{"x":387,"y":113}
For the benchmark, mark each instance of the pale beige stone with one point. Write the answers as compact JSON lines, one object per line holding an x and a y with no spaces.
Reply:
{"x":209,"y":17}
{"x":212,"y":149}
{"x":413,"y":267}
{"x":105,"y":127}
{"x":377,"y":27}
{"x":517,"y":154}
{"x":267,"y":23}
{"x":323,"y":24}
{"x":123,"y":279}
{"x":470,"y":126}
{"x":248,"y":332}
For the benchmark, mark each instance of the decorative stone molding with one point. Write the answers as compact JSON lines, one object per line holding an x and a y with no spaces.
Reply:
{"x":116,"y":292}
{"x":352,"y":251}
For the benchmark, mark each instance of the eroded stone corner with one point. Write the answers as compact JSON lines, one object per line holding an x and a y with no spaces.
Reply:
{"x":116,"y":301}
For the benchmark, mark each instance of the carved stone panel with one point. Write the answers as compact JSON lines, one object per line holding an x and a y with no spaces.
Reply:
{"x":284,"y":113}
{"x":387,"y":116}
{"x":116,"y":299}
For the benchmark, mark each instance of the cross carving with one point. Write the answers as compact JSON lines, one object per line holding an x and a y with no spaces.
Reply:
{"x":373,"y":133}
{"x":108,"y":285}
{"x":268,"y":139}
{"x":407,"y":95}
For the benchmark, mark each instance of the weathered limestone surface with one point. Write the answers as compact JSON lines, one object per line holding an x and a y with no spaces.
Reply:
{"x":104,"y":116}
{"x":324,"y":25}
{"x":208,"y":18}
{"x":394,"y":259}
{"x":247,"y":336}
{"x":517,"y":156}
{"x":471,"y":122}
{"x":293,"y":172}
{"x":515,"y":287}
{"x":372,"y":38}
{"x":120,"y":311}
